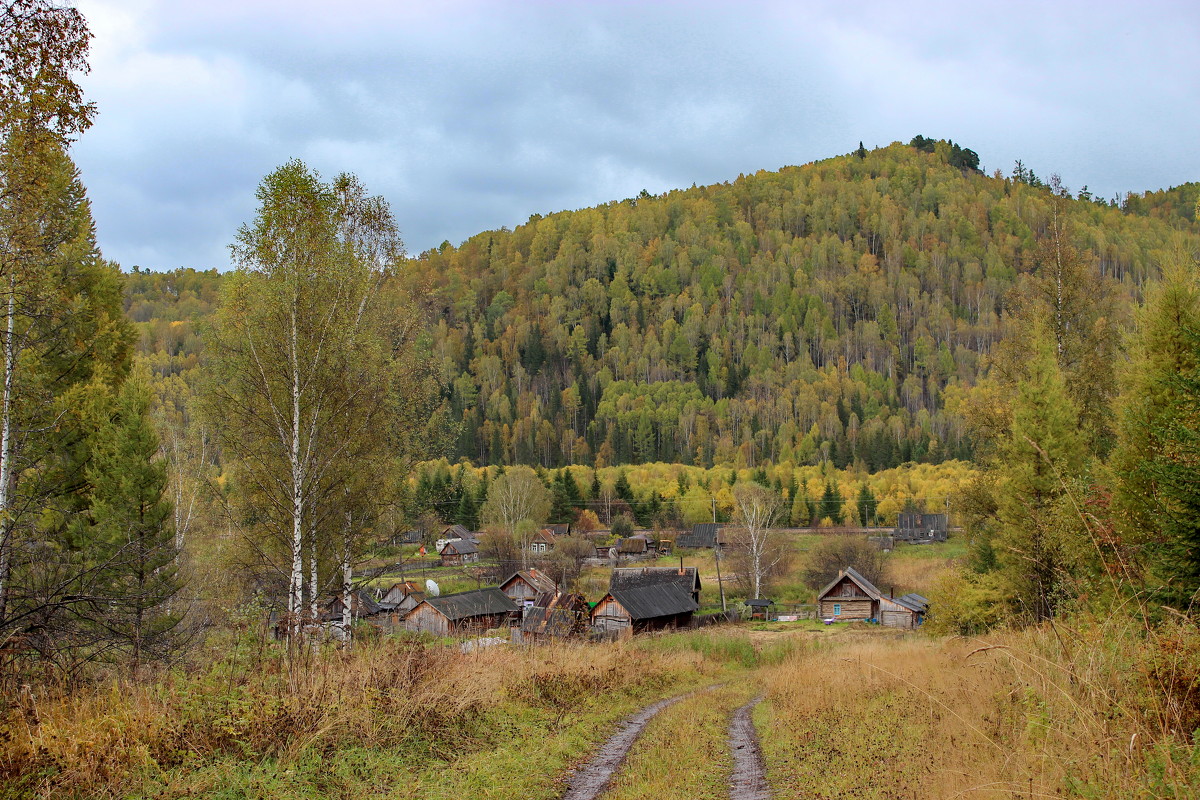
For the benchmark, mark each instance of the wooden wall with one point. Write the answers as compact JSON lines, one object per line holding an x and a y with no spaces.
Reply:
{"x":859,"y":608}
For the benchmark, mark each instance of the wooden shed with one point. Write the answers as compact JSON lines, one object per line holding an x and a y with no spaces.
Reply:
{"x":458,"y":552}
{"x":914,"y":527}
{"x":903,"y":612}
{"x":461,"y":614}
{"x":524,"y":587}
{"x":402,"y":597}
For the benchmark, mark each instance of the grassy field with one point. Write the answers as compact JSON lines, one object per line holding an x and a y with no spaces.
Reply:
{"x":1099,"y":708}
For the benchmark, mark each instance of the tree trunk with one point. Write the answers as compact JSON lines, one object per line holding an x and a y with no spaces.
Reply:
{"x":295,"y":592}
{"x":6,"y":522}
{"x":346,"y":583}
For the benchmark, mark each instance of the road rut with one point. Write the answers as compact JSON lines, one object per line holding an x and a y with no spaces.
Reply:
{"x":749,"y":778}
{"x":594,"y":777}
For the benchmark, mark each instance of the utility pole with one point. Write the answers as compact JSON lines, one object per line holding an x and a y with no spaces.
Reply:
{"x":717,"y":554}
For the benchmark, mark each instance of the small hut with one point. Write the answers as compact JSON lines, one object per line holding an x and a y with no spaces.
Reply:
{"x":458,"y":552}
{"x":525,"y":586}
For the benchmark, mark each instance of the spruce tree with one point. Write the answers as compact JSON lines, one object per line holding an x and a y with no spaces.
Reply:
{"x":131,"y":529}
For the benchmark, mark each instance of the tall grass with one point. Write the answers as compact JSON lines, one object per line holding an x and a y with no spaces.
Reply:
{"x":427,"y":703}
{"x":1093,"y":710}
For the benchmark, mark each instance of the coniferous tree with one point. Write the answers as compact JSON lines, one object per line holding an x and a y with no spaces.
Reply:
{"x":131,"y":528}
{"x":867,"y":503}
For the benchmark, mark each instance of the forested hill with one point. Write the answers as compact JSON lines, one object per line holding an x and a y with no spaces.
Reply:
{"x":817,"y":311}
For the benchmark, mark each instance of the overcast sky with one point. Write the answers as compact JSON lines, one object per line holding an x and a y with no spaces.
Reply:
{"x":468,"y":116}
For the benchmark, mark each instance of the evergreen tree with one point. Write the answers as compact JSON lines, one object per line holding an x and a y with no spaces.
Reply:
{"x":867,"y":504}
{"x":831,"y":504}
{"x":1155,"y":461}
{"x":130,"y":526}
{"x":622,"y":488}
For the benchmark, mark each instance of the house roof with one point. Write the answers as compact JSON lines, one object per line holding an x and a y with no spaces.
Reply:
{"x":632,"y":577}
{"x":913,"y":602}
{"x":361,"y":604}
{"x":560,"y":529}
{"x":475,"y":603}
{"x":457,"y":532}
{"x":460,"y":547}
{"x":654,"y":600}
{"x":538,"y":581}
{"x":555,"y":615}
{"x":701,"y":535}
{"x":544,"y":535}
{"x":853,"y":574}
{"x":631,"y":544}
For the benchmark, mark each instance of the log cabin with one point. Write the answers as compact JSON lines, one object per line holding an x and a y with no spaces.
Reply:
{"x":850,"y":596}
{"x":648,"y":599}
{"x":458,"y":552}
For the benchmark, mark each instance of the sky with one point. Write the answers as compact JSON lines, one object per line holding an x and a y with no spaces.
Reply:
{"x":469,"y":116}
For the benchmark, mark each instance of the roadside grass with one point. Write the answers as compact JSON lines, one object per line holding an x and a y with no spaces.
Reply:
{"x":1099,"y":709}
{"x":684,"y":751}
{"x":394,"y":717}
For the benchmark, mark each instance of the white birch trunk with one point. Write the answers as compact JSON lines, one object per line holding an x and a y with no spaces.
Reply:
{"x":312,"y":574}
{"x":6,"y":523}
{"x":295,"y":596}
{"x":347,"y":577}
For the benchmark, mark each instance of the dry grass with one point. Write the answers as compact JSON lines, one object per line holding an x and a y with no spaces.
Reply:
{"x":249,"y":719}
{"x":1041,"y":713}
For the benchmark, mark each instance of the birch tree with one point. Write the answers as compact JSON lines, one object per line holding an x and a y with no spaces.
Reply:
{"x":300,"y":365}
{"x":515,"y":496}
{"x":760,"y":549}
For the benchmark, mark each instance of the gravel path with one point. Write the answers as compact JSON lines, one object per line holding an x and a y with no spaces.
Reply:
{"x":749,"y":778}
{"x":590,"y":780}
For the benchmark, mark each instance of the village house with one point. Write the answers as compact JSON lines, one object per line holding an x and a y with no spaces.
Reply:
{"x":554,"y":615}
{"x":850,"y":596}
{"x":542,"y":541}
{"x":459,"y":552}
{"x":648,"y":599}
{"x":402,"y":597}
{"x":461,"y":614}
{"x":452,"y":532}
{"x":524,"y":587}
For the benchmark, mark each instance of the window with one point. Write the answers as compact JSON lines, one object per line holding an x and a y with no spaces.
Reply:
{"x":837,"y":609}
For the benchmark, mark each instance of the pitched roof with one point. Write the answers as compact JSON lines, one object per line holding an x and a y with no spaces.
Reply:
{"x":460,"y":547}
{"x":702,"y":535}
{"x":654,"y":600}
{"x":853,"y":574}
{"x":632,"y":577}
{"x":475,"y":603}
{"x":457,"y":532}
{"x":560,"y":528}
{"x":538,"y":581}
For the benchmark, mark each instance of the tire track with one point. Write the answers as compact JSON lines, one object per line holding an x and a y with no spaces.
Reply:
{"x":593,"y":778}
{"x":749,"y":778}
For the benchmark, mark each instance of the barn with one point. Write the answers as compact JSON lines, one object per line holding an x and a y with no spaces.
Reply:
{"x":461,"y":614}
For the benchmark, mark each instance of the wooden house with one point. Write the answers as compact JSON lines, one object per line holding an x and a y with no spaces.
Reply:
{"x":458,"y":552}
{"x":632,"y":546}
{"x":542,"y":541}
{"x":402,"y":597}
{"x":461,"y":614}
{"x":649,"y":598}
{"x":453,"y":532}
{"x":555,"y":615}
{"x":850,"y":596}
{"x":524,"y":587}
{"x":560,"y":529}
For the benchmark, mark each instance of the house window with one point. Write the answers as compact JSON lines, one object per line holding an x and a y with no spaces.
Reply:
{"x":837,"y":609}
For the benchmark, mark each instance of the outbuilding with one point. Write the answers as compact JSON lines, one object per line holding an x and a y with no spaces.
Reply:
{"x":459,"y":552}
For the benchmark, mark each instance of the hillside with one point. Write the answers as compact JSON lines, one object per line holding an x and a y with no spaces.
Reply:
{"x":815,"y":312}
{"x":818,"y":312}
